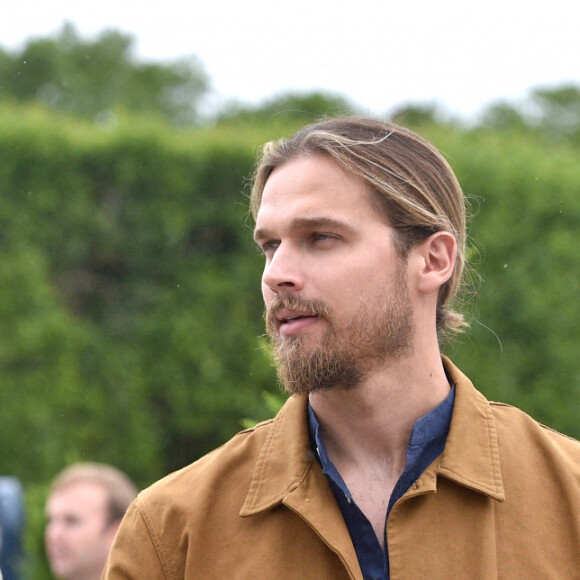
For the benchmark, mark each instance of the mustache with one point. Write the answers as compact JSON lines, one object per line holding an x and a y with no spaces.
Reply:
{"x":316,"y":307}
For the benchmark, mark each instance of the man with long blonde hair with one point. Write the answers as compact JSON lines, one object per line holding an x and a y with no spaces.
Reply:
{"x":385,"y":462}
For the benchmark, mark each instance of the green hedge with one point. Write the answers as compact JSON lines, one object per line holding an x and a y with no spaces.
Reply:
{"x":130,"y":307}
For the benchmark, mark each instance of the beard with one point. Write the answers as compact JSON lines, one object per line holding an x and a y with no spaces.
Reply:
{"x":379,"y":329}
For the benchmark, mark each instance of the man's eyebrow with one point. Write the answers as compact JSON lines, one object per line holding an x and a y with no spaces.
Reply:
{"x":260,"y":234}
{"x":306,"y":223}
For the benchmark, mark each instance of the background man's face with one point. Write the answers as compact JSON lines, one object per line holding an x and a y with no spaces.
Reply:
{"x":78,"y":532}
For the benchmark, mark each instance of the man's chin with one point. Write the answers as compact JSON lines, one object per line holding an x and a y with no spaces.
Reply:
{"x":61,"y":568}
{"x":315,"y":372}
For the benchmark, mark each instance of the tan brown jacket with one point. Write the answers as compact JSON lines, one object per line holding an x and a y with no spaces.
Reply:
{"x":501,"y":502}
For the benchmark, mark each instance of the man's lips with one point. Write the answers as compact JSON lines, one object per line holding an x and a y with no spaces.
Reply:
{"x":292,"y":322}
{"x":287,"y":316}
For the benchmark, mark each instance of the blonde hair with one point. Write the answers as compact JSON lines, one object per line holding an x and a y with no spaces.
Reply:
{"x":413,"y":186}
{"x":121,"y":491}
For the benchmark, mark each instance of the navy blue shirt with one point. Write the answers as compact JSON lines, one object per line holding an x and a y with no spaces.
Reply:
{"x":426,"y":444}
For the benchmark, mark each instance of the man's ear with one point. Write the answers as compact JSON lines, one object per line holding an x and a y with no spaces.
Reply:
{"x":438,"y":254}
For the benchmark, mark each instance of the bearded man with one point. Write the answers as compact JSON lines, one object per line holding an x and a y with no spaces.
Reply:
{"x":385,"y":462}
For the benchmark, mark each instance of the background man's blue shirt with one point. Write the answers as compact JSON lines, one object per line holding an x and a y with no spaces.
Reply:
{"x":425,"y":445}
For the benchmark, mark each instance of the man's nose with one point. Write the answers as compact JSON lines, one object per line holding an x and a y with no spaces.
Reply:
{"x":283,"y":270}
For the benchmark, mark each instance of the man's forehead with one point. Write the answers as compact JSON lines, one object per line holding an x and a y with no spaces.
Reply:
{"x":80,"y":492}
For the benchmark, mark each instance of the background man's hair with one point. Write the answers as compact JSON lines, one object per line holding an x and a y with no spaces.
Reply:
{"x":413,"y":187}
{"x":121,"y":491}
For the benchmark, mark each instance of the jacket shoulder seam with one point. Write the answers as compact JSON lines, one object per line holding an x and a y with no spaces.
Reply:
{"x":256,"y":427}
{"x":155,"y":537}
{"x":536,"y":422}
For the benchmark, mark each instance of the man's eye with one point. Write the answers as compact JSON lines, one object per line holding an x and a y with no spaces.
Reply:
{"x":321,"y":237}
{"x":269,"y":246}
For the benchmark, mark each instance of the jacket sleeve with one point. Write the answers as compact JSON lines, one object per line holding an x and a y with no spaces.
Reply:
{"x":135,"y":553}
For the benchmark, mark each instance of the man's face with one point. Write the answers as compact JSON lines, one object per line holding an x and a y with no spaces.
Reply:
{"x":335,"y":289}
{"x":78,"y":532}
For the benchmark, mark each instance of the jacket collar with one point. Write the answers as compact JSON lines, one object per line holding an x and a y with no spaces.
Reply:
{"x":471,"y":454}
{"x":284,"y":460}
{"x":470,"y":457}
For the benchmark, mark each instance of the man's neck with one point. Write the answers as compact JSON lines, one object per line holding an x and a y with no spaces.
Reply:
{"x":371,"y":424}
{"x":366,"y":430}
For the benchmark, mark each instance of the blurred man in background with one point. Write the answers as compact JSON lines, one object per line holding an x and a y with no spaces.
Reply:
{"x":85,"y":506}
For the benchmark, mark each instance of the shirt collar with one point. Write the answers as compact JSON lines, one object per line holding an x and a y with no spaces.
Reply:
{"x":432,"y":426}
